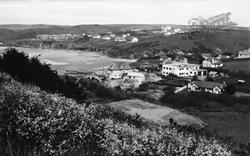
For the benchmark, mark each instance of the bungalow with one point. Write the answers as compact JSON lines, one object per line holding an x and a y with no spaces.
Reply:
{"x":212,"y":62}
{"x":205,"y":86}
{"x":244,"y":54}
{"x":118,"y":69}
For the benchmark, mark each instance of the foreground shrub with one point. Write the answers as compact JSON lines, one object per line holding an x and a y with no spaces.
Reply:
{"x":34,"y":122}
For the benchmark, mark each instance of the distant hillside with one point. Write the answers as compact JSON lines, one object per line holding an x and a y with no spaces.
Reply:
{"x":209,"y":40}
{"x":17,"y":32}
{"x":23,"y":26}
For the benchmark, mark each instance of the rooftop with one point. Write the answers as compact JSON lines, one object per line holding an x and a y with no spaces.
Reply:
{"x":177,"y":64}
{"x":214,"y":60}
{"x":120,"y":66}
{"x":207,"y":84}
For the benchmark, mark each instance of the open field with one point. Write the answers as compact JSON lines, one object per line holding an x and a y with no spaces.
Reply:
{"x":238,"y":65}
{"x":229,"y":124}
{"x":156,"y":113}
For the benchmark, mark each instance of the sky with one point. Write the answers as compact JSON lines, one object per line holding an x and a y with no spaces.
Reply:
{"x":74,"y":12}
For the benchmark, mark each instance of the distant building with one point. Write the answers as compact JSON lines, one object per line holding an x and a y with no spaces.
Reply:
{"x":244,"y":54}
{"x":180,"y":69}
{"x":128,"y":84}
{"x":170,"y":30}
{"x":205,"y":86}
{"x":118,"y":69}
{"x":96,"y":36}
{"x":213,"y":74}
{"x":112,"y":35}
{"x":133,"y":80}
{"x":148,"y":64}
{"x":212,"y":62}
{"x":54,"y":36}
{"x":138,"y":76}
{"x":106,"y":37}
{"x":120,"y":39}
{"x":134,"y":40}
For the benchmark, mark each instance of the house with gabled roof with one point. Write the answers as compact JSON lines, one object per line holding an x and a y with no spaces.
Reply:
{"x":205,"y":86}
{"x":244,"y":54}
{"x":212,"y":62}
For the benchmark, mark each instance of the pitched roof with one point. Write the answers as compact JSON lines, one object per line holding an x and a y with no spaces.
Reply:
{"x":207,"y":84}
{"x":214,"y":60}
{"x":245,"y":51}
{"x":120,"y":66}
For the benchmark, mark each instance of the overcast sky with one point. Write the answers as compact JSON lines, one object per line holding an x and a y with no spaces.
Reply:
{"x":72,"y":12}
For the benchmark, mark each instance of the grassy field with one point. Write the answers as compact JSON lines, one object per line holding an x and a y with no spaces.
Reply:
{"x":238,"y":65}
{"x":229,"y":124}
{"x":156,"y":113}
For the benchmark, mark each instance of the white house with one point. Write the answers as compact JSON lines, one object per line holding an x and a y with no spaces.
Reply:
{"x":96,"y":36}
{"x":205,"y":86}
{"x":134,"y":39}
{"x":212,"y":62}
{"x":244,"y":54}
{"x":180,"y":69}
{"x":106,"y":37}
{"x":120,"y":39}
{"x":118,"y":69}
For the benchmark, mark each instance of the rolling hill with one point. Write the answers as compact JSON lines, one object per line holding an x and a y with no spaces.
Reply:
{"x":199,"y":41}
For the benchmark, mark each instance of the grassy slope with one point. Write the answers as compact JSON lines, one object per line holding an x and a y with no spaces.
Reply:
{"x":155,"y":113}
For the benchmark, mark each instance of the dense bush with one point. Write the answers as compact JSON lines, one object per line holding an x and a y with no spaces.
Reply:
{"x":34,"y":122}
{"x":31,"y":70}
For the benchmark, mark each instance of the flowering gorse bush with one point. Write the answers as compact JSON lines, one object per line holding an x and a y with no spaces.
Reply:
{"x":34,"y":122}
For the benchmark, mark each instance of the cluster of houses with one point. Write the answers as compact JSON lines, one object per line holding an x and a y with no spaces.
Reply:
{"x":108,"y":36}
{"x":197,"y":74}
{"x":129,"y":78}
{"x":56,"y":36}
{"x":170,"y":30}
{"x":112,"y":36}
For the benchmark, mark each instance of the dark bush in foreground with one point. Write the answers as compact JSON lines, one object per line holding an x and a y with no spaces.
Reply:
{"x":31,"y":70}
{"x":34,"y":122}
